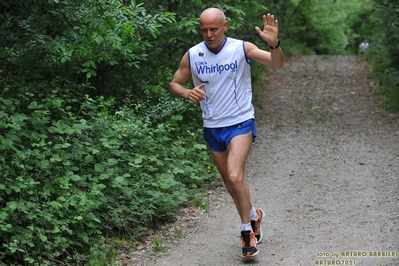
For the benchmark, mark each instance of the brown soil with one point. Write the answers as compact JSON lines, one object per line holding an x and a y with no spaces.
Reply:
{"x":325,"y":169}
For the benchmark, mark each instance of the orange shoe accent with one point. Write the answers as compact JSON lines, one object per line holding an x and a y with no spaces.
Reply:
{"x":256,"y":225}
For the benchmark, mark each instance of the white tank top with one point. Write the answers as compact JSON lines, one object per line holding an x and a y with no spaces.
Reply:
{"x":227,"y":78}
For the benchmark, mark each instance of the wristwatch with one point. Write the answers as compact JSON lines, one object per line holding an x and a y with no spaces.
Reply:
{"x":275,"y":47}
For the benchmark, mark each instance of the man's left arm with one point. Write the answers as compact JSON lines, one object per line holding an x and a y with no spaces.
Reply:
{"x":269,"y":34}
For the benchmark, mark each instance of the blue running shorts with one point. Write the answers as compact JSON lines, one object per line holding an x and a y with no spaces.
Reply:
{"x":218,"y":138}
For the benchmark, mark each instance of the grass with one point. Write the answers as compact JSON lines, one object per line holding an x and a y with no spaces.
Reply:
{"x":158,"y":243}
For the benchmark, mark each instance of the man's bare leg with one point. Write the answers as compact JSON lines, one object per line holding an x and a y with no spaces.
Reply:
{"x":231,"y":165}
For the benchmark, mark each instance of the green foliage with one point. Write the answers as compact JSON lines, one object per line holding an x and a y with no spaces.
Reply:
{"x":384,"y":51}
{"x":326,"y":27}
{"x":159,"y":244}
{"x":388,"y":77}
{"x":95,"y":45}
{"x":68,"y":180}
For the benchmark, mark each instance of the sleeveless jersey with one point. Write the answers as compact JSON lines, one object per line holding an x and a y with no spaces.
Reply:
{"x":227,"y":78}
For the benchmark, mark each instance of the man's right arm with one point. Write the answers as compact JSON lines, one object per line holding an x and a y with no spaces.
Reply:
{"x":180,"y":78}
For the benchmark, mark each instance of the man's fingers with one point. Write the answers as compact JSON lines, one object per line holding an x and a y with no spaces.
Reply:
{"x":270,"y":20}
{"x":200,"y":90}
{"x":197,"y":94}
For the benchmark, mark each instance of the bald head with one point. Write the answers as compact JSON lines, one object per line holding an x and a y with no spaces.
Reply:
{"x":212,"y":14}
{"x":213,"y":25}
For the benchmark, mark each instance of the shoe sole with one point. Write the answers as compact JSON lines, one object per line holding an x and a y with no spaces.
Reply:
{"x":250,"y":256}
{"x":260,"y":228}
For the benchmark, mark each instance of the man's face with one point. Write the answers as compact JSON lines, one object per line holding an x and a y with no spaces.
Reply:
{"x":212,"y":30}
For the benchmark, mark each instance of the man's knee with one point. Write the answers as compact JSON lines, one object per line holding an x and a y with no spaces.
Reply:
{"x":235,"y":180}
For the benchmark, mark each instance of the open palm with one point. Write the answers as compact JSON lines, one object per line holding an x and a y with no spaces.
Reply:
{"x":270,"y":29}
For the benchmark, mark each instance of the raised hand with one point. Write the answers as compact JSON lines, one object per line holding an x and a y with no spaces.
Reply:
{"x":270,"y":29}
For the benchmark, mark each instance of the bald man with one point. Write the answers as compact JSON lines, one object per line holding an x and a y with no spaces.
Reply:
{"x":220,"y":69}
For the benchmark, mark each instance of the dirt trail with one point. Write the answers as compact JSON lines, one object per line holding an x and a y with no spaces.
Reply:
{"x":325,"y":168}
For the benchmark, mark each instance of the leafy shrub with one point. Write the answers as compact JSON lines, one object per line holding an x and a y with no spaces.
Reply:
{"x":70,"y":178}
{"x":384,"y":52}
{"x":389,"y":86}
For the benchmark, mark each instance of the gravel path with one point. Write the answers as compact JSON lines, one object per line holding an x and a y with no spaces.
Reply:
{"x":325,"y":168}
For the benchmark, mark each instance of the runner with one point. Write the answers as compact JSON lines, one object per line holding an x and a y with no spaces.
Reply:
{"x":219,"y":67}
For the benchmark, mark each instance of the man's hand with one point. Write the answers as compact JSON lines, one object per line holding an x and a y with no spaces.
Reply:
{"x":270,"y":30}
{"x":197,"y":94}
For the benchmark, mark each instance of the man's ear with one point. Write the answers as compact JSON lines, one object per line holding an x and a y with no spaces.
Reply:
{"x":226,"y":24}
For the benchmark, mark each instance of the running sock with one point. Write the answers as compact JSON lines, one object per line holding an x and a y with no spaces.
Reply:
{"x":246,"y":227}
{"x":253,"y":215}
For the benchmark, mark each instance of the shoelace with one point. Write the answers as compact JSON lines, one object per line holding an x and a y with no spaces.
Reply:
{"x":247,"y":239}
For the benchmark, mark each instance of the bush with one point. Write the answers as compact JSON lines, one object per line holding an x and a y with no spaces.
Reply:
{"x":389,"y":86}
{"x":70,"y":178}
